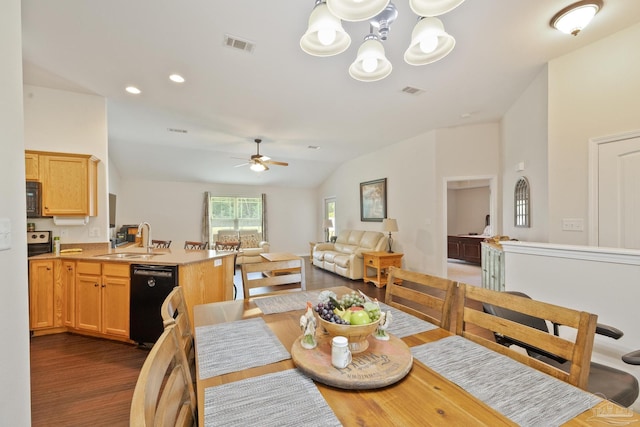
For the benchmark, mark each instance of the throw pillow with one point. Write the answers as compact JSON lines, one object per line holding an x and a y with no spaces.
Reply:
{"x":249,"y":241}
{"x":228,"y":238}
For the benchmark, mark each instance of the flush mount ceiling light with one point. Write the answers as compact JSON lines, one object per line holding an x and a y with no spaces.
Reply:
{"x":133,"y":90}
{"x":429,"y":41}
{"x":575,"y":17}
{"x":176,"y":78}
{"x":325,"y":35}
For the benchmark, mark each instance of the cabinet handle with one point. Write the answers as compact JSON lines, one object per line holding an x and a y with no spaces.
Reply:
{"x":96,"y":284}
{"x":104,"y":286}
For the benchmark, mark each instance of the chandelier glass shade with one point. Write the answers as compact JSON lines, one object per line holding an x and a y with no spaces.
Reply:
{"x":371,"y":64}
{"x":429,"y":42}
{"x":325,"y":35}
{"x":433,"y":7}
{"x":356,"y":10}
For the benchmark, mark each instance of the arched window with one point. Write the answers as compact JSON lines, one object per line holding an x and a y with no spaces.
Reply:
{"x":522,"y":203}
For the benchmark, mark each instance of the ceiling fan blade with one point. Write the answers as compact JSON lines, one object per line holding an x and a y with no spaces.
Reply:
{"x":273,"y":162}
{"x":240,"y":165}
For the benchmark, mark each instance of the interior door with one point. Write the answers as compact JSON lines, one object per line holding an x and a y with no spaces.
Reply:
{"x":618,"y":194}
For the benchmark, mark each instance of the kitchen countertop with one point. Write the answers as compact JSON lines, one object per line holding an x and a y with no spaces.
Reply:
{"x":138,"y":255}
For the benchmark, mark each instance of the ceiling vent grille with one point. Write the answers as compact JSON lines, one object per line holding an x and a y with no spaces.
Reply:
{"x":412,"y":90}
{"x":177,"y":130}
{"x":236,"y":43}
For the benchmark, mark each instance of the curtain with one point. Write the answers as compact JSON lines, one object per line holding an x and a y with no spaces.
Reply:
{"x":265,"y":236}
{"x":206,"y":219}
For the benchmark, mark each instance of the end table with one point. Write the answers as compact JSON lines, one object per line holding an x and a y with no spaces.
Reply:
{"x":380,"y":261}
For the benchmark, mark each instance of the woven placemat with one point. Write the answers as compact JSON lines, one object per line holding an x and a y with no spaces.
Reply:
{"x":283,"y":303}
{"x":404,"y":324}
{"x":234,"y":346}
{"x":282,"y":399}
{"x":522,"y":394}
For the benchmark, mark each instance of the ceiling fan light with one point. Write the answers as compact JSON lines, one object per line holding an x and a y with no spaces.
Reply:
{"x":433,"y":7}
{"x":356,"y":10}
{"x":257,"y":167}
{"x":422,"y":39}
{"x":370,"y":54}
{"x":574,"y":18}
{"x":325,"y":35}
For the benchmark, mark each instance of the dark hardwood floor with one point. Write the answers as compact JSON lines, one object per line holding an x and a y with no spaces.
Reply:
{"x":84,"y":381}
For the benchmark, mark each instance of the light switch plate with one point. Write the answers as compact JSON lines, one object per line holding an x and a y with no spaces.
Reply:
{"x":5,"y":234}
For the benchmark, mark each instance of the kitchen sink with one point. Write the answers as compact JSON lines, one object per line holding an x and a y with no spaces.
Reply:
{"x":126,"y":255}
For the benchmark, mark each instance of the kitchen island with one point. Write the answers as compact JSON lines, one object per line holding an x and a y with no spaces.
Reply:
{"x":86,"y":290}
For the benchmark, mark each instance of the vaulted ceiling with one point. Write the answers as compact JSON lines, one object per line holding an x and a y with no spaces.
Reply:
{"x":201,"y":129}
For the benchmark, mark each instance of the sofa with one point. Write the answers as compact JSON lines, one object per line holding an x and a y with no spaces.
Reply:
{"x":250,"y":244}
{"x":344,"y":256}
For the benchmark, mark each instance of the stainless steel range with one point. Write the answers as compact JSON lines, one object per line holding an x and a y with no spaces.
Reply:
{"x":39,"y":242}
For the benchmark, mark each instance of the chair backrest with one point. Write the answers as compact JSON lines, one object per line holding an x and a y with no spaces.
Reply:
{"x":174,"y":312}
{"x":161,"y":244}
{"x":427,"y":297}
{"x":473,"y":323}
{"x":164,"y":394}
{"x":188,"y":244}
{"x":272,"y":277}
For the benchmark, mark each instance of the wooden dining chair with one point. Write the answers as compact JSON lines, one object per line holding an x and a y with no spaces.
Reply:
{"x":428,"y":297}
{"x":272,"y":277}
{"x":161,"y":244}
{"x":473,"y":323}
{"x":614,"y":384}
{"x":188,"y":244}
{"x":174,"y":312}
{"x":164,"y":394}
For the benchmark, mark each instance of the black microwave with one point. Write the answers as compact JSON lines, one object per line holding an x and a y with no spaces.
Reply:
{"x":33,"y":200}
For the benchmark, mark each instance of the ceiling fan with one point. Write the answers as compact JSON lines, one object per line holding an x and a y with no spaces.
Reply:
{"x":259,"y":162}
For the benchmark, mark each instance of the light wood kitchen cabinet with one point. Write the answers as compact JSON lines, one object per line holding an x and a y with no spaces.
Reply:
{"x":69,"y":183}
{"x":31,"y":167}
{"x":68,"y":302}
{"x":42,"y":294}
{"x":102,"y":298}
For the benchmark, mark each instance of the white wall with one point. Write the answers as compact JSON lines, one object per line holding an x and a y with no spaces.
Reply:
{"x":593,"y":92}
{"x":15,"y":396}
{"x":175,"y":209}
{"x":69,"y":122}
{"x":467,"y":209}
{"x":524,"y":140}
{"x":415,"y":187}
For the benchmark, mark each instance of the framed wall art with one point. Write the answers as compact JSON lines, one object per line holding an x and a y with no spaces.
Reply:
{"x":373,"y":200}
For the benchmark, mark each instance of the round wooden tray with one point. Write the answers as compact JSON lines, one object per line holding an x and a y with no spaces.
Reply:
{"x":382,"y":364}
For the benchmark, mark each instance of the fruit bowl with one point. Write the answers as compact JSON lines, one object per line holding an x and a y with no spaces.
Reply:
{"x":356,"y":334}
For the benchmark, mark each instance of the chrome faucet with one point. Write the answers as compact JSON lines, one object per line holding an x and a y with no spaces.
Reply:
{"x":146,"y":243}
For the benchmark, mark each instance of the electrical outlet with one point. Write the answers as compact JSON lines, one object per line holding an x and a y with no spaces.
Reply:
{"x":94,"y":232}
{"x":5,"y":234}
{"x":64,"y":233}
{"x":573,"y":224}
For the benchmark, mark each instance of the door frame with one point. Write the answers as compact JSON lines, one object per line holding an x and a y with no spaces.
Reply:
{"x":496,"y":219}
{"x":593,"y":192}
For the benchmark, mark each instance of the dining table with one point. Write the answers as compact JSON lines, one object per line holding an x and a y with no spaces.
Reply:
{"x":246,"y":375}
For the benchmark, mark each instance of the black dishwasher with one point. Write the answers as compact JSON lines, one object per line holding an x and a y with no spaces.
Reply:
{"x":150,"y":285}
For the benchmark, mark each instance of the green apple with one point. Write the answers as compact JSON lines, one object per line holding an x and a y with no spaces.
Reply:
{"x":360,"y":317}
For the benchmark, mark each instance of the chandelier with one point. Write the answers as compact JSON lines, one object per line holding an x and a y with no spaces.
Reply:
{"x":326,"y":37}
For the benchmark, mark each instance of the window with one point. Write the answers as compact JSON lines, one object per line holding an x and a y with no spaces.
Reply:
{"x":522,"y":203}
{"x":236,"y":213}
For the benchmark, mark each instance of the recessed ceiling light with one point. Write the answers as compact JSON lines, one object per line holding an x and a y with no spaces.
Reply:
{"x":134,"y":90}
{"x":176,"y":78}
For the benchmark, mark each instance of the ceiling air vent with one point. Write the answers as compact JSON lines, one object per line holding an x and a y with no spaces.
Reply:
{"x":412,"y":90}
{"x":177,"y":130}
{"x":236,"y":43}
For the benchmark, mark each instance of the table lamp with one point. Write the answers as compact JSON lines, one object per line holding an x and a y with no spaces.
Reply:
{"x":327,"y":224}
{"x":390,"y":225}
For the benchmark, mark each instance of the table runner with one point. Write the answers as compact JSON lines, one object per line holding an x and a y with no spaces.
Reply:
{"x":286,"y":398}
{"x":289,"y":302}
{"x":404,"y":324}
{"x":522,"y":394}
{"x":234,"y":346}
